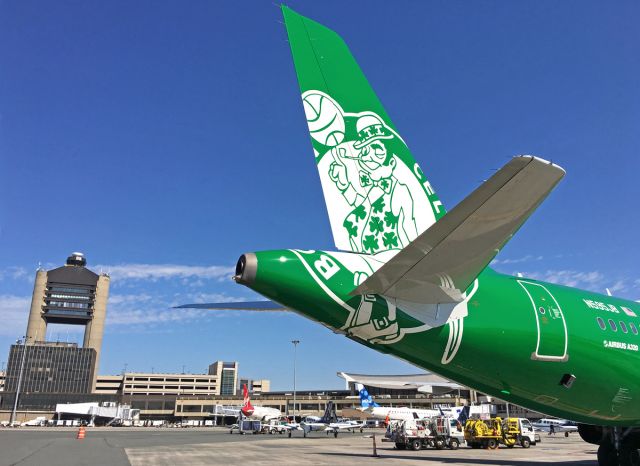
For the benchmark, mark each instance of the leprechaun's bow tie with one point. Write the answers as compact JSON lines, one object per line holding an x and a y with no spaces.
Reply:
{"x":383,"y":183}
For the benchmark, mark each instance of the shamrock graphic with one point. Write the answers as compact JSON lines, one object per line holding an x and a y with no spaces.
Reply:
{"x":370,"y":243}
{"x":360,"y":212}
{"x":365,"y":180}
{"x":376,"y":225}
{"x":390,"y":240}
{"x":351,"y":228}
{"x":390,"y":219}
{"x":378,"y":205}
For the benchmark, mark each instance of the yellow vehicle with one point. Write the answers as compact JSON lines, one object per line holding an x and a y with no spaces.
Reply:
{"x":489,"y":433}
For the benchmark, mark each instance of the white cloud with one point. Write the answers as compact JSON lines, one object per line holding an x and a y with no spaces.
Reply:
{"x":120,"y":299}
{"x":15,"y":273}
{"x":191,"y":275}
{"x":146,"y":312}
{"x":594,"y":280}
{"x":620,"y":285}
{"x":156,"y":272}
{"x":14,"y":312}
{"x":527,"y":258}
{"x":142,"y":312}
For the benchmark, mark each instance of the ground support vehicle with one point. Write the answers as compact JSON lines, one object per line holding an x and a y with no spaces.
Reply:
{"x":435,"y":432}
{"x":447,"y":432}
{"x":276,"y":427}
{"x":489,"y":433}
{"x":247,"y":426}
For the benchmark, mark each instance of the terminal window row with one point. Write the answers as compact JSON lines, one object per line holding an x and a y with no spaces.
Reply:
{"x":170,"y":387}
{"x":69,"y":296}
{"x":70,"y":290}
{"x":203,"y":379}
{"x":612,"y":324}
{"x":69,"y":304}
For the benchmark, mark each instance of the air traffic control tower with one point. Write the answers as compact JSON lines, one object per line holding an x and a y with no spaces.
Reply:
{"x":71,"y":294}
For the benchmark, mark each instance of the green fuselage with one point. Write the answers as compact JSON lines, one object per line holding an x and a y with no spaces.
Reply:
{"x":518,"y":340}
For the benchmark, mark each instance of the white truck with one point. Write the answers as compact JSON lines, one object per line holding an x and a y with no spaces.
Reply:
{"x":433,"y":432}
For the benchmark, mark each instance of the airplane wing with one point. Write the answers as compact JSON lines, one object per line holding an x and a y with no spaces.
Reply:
{"x":338,"y":426}
{"x":237,"y":306}
{"x":230,"y":411}
{"x":441,"y":263}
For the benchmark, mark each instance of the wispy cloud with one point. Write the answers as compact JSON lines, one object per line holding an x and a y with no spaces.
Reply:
{"x":590,"y":280}
{"x":13,"y":314}
{"x":149,"y":313}
{"x":15,"y":273}
{"x":156,"y":272}
{"x":143,"y":312}
{"x":136,"y":271}
{"x":520,"y":260}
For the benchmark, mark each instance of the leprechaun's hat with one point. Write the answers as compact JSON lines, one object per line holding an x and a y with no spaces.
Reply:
{"x":370,"y":128}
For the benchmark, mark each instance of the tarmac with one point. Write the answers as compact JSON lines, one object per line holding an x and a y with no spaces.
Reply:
{"x":215,"y":446}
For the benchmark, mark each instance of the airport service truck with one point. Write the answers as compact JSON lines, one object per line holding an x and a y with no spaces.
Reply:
{"x":436,"y":432}
{"x":247,"y":426}
{"x":489,"y":433}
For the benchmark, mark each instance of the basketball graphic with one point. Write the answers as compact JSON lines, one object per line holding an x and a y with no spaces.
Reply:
{"x":324,"y":118}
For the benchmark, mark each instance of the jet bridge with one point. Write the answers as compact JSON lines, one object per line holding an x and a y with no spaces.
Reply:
{"x":107,"y":413}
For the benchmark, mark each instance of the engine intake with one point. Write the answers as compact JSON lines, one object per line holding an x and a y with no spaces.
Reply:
{"x":246,"y":269}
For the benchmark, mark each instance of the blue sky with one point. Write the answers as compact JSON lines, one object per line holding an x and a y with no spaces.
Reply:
{"x":163,"y":139}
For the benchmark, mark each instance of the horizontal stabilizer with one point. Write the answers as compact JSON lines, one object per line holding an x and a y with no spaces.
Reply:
{"x":441,"y":263}
{"x":237,"y":306}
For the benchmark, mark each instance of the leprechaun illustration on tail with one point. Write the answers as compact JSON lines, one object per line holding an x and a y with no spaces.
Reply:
{"x":375,"y":204}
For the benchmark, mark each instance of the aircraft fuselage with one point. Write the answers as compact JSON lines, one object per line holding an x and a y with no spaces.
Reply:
{"x":547,"y":347}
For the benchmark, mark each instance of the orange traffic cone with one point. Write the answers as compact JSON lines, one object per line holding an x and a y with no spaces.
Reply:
{"x":81,"y":433}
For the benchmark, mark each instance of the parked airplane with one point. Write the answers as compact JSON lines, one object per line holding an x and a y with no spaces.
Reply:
{"x":414,"y":280}
{"x":559,"y":425}
{"x":330,"y":423}
{"x":462,"y":413}
{"x":247,"y":410}
{"x":392,"y":413}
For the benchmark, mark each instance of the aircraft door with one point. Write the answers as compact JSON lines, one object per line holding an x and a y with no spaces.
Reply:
{"x":552,"y":329}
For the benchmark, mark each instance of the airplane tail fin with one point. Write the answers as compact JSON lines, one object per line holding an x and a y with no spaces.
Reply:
{"x":464,"y":415}
{"x":247,"y":408}
{"x":245,"y":394}
{"x":329,"y":415}
{"x":366,"y":401}
{"x":377,"y":196}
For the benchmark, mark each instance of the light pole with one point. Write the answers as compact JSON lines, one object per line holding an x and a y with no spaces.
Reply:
{"x":15,"y":401}
{"x":295,"y":347}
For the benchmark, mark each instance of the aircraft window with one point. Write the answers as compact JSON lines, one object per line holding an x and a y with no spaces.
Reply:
{"x":601,"y":323}
{"x":623,"y":327}
{"x":613,"y":326}
{"x":633,"y":328}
